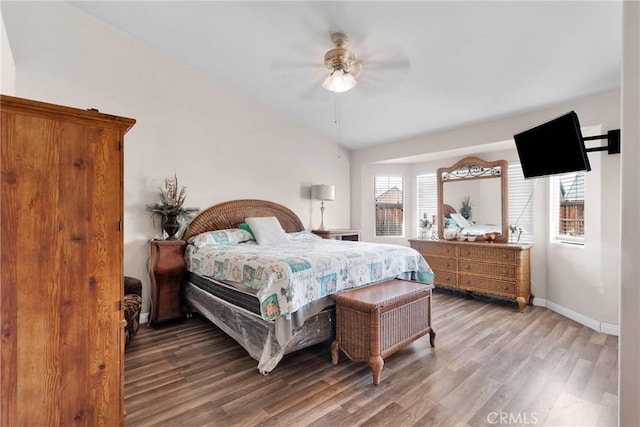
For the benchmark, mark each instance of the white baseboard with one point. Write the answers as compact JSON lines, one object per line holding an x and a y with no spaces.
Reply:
{"x":610,"y":329}
{"x":605,"y":328}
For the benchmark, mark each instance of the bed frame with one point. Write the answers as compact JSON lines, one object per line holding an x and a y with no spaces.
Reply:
{"x":256,"y":335}
{"x":230,"y":214}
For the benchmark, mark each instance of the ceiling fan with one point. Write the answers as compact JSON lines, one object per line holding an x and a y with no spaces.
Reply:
{"x":342,"y":65}
{"x":378,"y":68}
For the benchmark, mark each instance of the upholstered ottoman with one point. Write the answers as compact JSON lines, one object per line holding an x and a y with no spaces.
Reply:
{"x":132,"y":307}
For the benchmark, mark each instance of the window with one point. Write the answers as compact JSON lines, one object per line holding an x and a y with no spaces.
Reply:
{"x":520,"y":202}
{"x":568,"y":207}
{"x":427,"y":186}
{"x":389,"y":196}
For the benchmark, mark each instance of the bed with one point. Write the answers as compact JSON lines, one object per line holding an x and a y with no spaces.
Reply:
{"x":273,"y":298}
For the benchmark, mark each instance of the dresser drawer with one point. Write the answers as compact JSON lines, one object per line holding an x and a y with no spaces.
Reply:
{"x":507,"y":271}
{"x":483,"y":253}
{"x":445,"y":278}
{"x":440,"y":263}
{"x":484,"y":284}
{"x":429,"y":247}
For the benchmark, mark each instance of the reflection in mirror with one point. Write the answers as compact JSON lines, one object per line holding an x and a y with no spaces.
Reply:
{"x":484,"y":198}
{"x":477,"y":190}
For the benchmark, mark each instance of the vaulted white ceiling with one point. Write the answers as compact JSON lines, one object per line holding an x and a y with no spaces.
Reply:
{"x":428,"y":66}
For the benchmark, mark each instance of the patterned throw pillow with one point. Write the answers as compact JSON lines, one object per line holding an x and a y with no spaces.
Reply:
{"x":245,"y":226}
{"x":217,"y":237}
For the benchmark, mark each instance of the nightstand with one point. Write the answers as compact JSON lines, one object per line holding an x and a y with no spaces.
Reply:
{"x":353,"y":235}
{"x":166,"y":271}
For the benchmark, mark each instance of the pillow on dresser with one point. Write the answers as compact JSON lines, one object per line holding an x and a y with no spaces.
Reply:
{"x":267,"y":230}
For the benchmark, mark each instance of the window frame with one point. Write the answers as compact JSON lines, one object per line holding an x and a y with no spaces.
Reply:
{"x":402,"y":205}
{"x":555,"y":236}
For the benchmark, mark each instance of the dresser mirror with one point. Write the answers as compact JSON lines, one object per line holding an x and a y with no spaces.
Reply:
{"x":481,"y":186}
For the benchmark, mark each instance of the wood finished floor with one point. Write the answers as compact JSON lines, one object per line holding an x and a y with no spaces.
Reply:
{"x":491,"y":366}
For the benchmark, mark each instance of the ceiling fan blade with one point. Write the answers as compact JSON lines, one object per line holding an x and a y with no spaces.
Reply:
{"x":383,"y":69}
{"x":387,"y":57}
{"x":303,"y":80}
{"x":398,"y":65}
{"x":312,"y":92}
{"x":281,"y":66}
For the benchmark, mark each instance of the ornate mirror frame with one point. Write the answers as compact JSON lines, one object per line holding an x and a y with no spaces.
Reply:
{"x":472,"y":168}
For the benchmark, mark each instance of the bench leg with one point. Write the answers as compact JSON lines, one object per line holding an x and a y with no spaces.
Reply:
{"x":432,"y":337}
{"x":376,"y":363}
{"x":335,"y":349}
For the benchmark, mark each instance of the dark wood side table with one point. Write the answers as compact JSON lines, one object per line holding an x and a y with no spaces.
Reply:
{"x":353,"y":235}
{"x":166,"y":271}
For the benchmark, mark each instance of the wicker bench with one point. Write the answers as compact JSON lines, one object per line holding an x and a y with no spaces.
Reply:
{"x":376,"y":321}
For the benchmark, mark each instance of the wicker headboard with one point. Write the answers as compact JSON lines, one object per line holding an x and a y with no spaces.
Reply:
{"x":230,"y":214}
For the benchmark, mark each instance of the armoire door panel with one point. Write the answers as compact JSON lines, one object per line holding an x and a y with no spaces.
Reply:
{"x":62,"y":274}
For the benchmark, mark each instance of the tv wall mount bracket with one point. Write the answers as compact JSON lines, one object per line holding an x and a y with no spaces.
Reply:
{"x":613,"y":142}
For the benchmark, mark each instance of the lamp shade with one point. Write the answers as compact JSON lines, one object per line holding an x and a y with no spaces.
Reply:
{"x":323,"y":192}
{"x":339,"y":81}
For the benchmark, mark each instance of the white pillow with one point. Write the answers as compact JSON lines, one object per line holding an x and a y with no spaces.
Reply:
{"x":267,"y":230}
{"x":462,"y":221}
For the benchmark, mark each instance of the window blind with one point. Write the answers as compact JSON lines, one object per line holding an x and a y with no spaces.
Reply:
{"x":389,"y":200}
{"x":520,"y":202}
{"x":427,"y":189}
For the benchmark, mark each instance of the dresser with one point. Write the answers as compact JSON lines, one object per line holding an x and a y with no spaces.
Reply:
{"x":498,"y":269}
{"x":62,"y":358}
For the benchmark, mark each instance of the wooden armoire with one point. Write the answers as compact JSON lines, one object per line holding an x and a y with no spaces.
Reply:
{"x":62,"y":354}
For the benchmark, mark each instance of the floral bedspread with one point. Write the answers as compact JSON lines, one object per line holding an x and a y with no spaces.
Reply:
{"x":289,"y":275}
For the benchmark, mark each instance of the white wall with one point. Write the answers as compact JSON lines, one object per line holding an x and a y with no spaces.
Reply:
{"x":7,"y":65}
{"x":629,"y":379}
{"x":584,"y":282}
{"x":221,"y":145}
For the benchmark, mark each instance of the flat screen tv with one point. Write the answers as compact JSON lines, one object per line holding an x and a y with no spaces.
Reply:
{"x":552,"y":148}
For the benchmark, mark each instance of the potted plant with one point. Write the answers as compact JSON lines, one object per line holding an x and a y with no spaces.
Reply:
{"x":513,"y":230}
{"x":171,"y":208}
{"x":466,"y":208}
{"x":425,"y":226}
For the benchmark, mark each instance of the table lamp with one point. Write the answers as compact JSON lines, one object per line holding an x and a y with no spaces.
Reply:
{"x":323,"y":192}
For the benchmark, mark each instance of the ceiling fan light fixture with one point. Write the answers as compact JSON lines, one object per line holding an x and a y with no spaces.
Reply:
{"x":339,"y":81}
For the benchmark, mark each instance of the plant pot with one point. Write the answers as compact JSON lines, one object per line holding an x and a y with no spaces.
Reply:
{"x":171,"y":226}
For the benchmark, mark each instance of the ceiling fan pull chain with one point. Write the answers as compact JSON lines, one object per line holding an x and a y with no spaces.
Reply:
{"x":336,"y":121}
